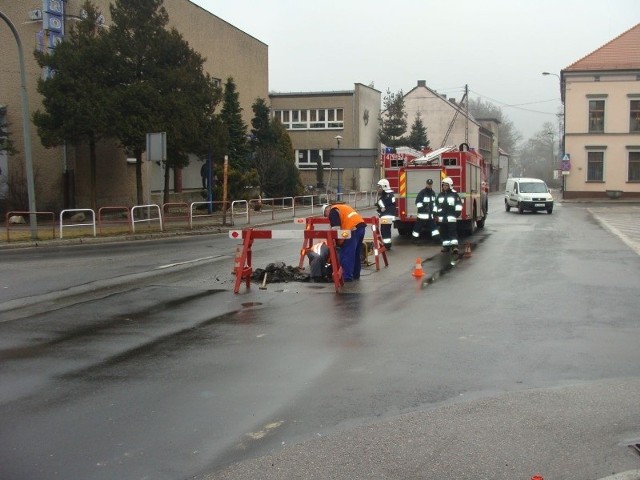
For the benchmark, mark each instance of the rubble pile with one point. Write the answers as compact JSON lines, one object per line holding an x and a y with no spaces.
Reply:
{"x":279,"y":272}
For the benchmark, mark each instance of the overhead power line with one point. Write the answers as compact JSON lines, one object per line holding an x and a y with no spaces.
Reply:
{"x":518,"y":106}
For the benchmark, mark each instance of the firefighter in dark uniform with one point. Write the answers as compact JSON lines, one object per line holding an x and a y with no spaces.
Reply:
{"x":425,"y":201}
{"x":386,"y":206}
{"x":448,"y":208}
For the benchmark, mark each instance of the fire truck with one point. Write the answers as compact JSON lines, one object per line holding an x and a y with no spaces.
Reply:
{"x":408,"y":170}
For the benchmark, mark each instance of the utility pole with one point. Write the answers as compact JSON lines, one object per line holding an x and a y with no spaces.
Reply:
{"x":466,"y":108}
{"x":26,"y":132}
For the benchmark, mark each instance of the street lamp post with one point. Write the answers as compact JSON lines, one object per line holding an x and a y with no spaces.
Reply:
{"x":561,"y":127}
{"x":26,"y":132}
{"x":339,"y":192}
{"x":551,"y":142}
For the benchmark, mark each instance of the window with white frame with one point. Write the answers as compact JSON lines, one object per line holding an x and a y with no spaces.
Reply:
{"x":309,"y":158}
{"x":634,"y":166}
{"x":595,"y":166}
{"x":596,"y":116}
{"x":311,"y":119}
{"x":634,"y":116}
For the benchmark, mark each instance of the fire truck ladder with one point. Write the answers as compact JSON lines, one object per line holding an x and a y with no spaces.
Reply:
{"x":446,"y":136}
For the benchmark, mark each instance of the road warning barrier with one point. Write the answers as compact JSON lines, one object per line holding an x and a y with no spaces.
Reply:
{"x":242,"y":264}
{"x":376,"y":239}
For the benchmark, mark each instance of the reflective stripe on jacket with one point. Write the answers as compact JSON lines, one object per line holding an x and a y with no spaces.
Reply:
{"x":386,"y":204}
{"x":425,"y":201}
{"x":349,"y":218}
{"x":317,"y":248}
{"x":448,"y":206}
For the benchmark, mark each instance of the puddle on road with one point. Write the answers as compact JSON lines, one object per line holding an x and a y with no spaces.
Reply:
{"x":446,"y":264}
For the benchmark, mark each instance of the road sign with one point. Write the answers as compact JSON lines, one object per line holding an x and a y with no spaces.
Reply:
{"x":566,"y":164}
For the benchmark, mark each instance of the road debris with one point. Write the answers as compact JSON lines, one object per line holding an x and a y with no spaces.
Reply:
{"x":279,"y":272}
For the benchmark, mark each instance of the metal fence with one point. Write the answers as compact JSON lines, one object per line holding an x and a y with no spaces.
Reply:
{"x":110,"y":220}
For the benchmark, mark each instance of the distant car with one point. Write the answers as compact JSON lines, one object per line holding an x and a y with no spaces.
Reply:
{"x":530,"y":194}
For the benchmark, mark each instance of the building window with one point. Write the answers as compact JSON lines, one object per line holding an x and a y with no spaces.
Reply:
{"x":595,"y":166}
{"x":309,"y":158}
{"x":634,"y":166}
{"x":596,"y":116}
{"x":312,"y":119}
{"x":634,"y":116}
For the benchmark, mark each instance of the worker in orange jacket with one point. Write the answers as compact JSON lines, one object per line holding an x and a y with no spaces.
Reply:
{"x":344,"y":217}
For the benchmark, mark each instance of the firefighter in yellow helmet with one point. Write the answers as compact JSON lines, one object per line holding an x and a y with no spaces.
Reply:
{"x":448,"y":208}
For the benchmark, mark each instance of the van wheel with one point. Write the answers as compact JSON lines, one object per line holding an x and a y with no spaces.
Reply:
{"x":520,"y":209}
{"x":549,"y":211}
{"x":506,"y":206}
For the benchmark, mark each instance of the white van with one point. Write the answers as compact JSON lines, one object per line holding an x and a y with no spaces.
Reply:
{"x":527,"y":194}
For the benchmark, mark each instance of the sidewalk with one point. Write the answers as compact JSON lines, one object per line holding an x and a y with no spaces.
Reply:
{"x":257,"y":220}
{"x":172,"y":229}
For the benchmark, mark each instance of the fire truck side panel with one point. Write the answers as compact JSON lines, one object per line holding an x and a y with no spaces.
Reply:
{"x":410,"y":182}
{"x":465,"y":168}
{"x":416,"y":181}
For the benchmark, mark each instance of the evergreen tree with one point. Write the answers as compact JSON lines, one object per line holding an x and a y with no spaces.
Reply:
{"x":393,"y":120}
{"x":274,"y":157}
{"x":6,"y":143}
{"x":418,"y":136}
{"x":159,"y":85}
{"x":284,"y":181}
{"x":263,"y":140}
{"x":189,"y":95}
{"x":75,"y":94}
{"x":138,"y":29}
{"x":231,"y":114}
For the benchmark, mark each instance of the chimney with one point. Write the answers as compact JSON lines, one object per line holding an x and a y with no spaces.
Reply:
{"x":422,"y":83}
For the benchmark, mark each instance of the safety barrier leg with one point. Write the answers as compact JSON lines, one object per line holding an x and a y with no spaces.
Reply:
{"x":242,"y":264}
{"x":329,"y":236}
{"x":378,"y":245}
{"x":307,"y":242}
{"x":336,"y":268}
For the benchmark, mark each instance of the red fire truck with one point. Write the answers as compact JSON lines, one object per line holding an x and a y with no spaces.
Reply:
{"x":407,"y":175}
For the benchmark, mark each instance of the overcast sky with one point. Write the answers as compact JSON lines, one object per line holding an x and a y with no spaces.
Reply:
{"x":497,"y":47}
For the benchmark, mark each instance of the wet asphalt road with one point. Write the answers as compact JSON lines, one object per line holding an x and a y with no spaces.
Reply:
{"x":519,"y":360}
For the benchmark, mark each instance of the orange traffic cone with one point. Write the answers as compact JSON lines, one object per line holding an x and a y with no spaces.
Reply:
{"x":417,"y":270}
{"x":467,"y":250}
{"x":537,"y":477}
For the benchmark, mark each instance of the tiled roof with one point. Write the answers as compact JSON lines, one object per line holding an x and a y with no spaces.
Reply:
{"x":621,"y":53}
